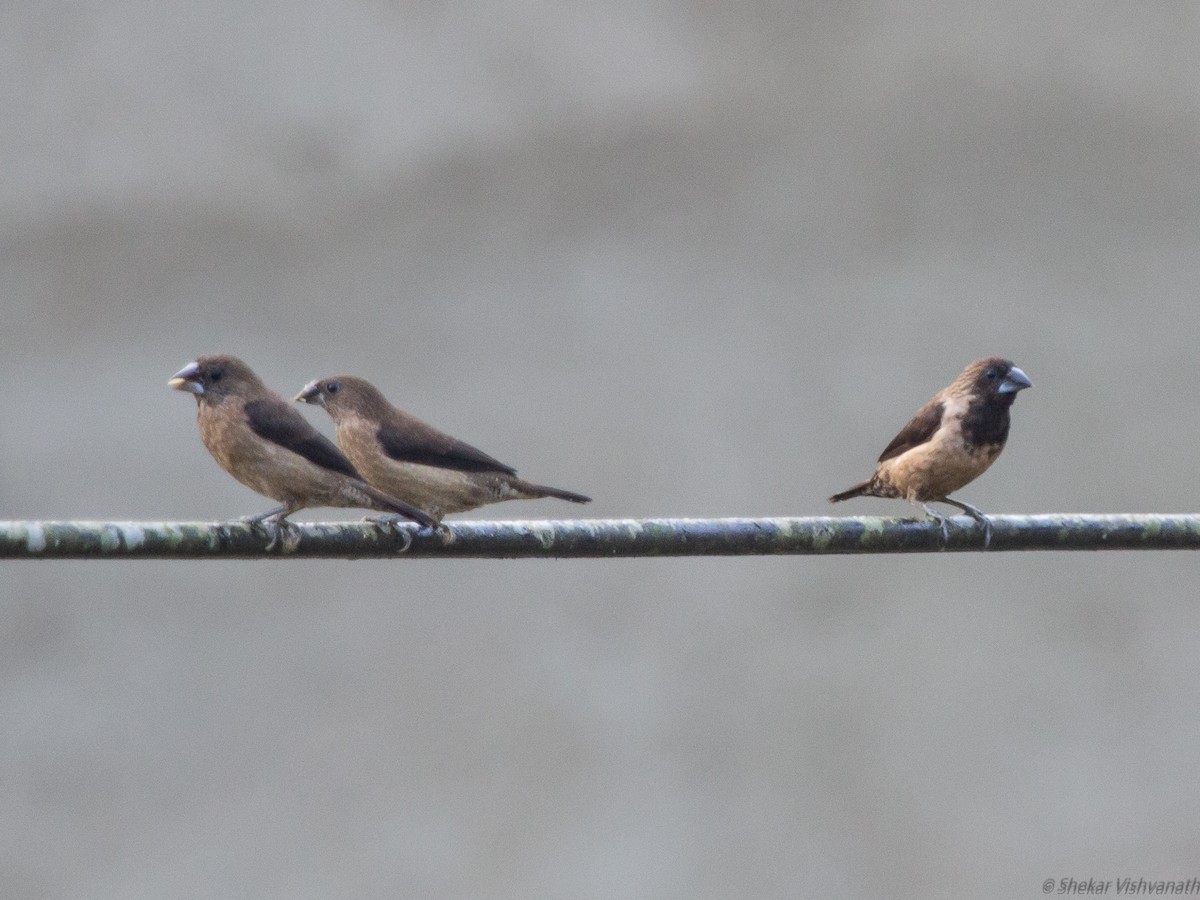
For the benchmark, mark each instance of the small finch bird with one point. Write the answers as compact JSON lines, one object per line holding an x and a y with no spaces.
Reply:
{"x":949,"y":443}
{"x":400,"y":454}
{"x":263,"y":441}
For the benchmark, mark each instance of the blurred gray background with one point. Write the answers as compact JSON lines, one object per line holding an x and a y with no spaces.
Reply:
{"x":692,"y":259}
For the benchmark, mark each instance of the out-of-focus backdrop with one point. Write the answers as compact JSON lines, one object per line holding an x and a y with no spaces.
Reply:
{"x":692,"y":259}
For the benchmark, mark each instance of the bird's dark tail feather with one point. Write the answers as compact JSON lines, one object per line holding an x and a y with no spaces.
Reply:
{"x":859,"y":490}
{"x":541,"y":490}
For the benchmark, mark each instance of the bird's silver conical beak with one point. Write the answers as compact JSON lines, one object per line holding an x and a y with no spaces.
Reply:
{"x":311,"y":394}
{"x":187,"y":379}
{"x":1016,"y":380}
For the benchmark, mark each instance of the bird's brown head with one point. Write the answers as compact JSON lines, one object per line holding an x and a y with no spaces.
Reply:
{"x":994,"y":379}
{"x":344,"y":395}
{"x":211,"y":378}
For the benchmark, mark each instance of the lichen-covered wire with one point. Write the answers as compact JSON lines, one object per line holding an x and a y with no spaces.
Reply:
{"x":597,"y":538}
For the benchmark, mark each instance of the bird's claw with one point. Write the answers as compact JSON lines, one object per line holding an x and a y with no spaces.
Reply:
{"x":282,"y":533}
{"x":290,"y":535}
{"x":975,"y":514}
{"x":391,"y":522}
{"x":987,"y":528}
{"x":980,"y":517}
{"x":941,"y":520}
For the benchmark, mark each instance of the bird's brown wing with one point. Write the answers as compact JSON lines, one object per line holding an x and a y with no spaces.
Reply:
{"x":919,"y":430}
{"x":276,"y":421}
{"x":416,"y":442}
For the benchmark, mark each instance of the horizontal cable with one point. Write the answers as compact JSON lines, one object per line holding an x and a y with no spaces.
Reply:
{"x":595,"y":538}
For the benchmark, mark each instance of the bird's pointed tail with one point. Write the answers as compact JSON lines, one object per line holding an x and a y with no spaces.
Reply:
{"x":859,"y":490}
{"x":534,"y":491}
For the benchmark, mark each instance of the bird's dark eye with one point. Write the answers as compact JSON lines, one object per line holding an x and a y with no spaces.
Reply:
{"x":992,"y":373}
{"x":333,"y":387}
{"x":216,"y":375}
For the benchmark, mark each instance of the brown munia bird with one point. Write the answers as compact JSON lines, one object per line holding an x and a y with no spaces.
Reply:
{"x":402,"y":455}
{"x":949,"y":443}
{"x":266,"y":444}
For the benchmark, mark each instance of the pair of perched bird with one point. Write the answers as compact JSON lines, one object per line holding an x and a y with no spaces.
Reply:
{"x":388,"y":461}
{"x":393,"y":463}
